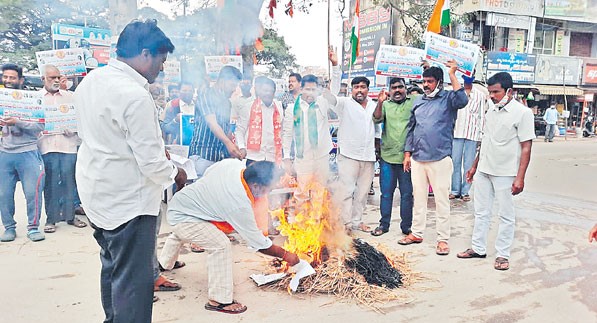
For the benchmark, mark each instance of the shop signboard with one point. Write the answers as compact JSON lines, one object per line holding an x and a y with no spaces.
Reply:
{"x":532,"y":8}
{"x":95,"y":42}
{"x":557,"y":70}
{"x":589,"y":75}
{"x":520,"y":66}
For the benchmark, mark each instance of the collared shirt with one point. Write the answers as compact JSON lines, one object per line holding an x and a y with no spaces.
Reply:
{"x":395,"y":117}
{"x":431,"y":125}
{"x":551,"y":116}
{"x":204,"y":143}
{"x":504,"y":130}
{"x":58,"y":143}
{"x":356,"y":131}
{"x":219,"y":196}
{"x":121,"y":166}
{"x":324,"y":142}
{"x":267,"y":149}
{"x":287,"y":100}
{"x":469,"y":121}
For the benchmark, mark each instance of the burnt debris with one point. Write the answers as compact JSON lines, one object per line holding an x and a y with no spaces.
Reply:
{"x":374,"y":266}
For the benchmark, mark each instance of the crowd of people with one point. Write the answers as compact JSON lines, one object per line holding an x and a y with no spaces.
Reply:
{"x":116,"y":165}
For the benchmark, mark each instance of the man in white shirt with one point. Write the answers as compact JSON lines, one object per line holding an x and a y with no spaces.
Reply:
{"x":122,"y":168}
{"x":59,"y":152}
{"x":219,"y":202}
{"x":356,"y":159}
{"x":184,"y":104}
{"x":502,"y":164}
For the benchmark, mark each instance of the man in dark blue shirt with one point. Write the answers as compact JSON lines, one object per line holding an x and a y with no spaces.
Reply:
{"x":428,"y":148}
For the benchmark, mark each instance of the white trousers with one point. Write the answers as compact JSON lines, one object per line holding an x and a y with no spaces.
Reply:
{"x":355,"y":180}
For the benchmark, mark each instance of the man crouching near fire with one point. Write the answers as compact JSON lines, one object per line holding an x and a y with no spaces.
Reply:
{"x":218,"y":203}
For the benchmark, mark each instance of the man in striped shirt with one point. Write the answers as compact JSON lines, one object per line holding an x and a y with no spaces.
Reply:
{"x":467,"y":135}
{"x":211,"y":140}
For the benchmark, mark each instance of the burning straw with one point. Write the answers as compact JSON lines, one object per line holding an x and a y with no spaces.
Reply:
{"x":349,"y":270}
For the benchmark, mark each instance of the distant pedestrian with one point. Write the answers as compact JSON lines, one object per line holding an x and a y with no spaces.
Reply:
{"x":551,"y":119}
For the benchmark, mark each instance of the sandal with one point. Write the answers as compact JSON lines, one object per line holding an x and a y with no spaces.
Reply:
{"x":77,"y":223}
{"x":410,"y":239}
{"x":466,"y":198}
{"x":442,"y":248}
{"x":162,"y":284}
{"x":50,"y":228}
{"x":501,"y":263}
{"x":195,"y":248}
{"x":361,"y":227}
{"x":470,"y":253}
{"x":378,"y":231}
{"x":453,"y":196}
{"x":222,"y":307}
{"x":155,"y":298}
{"x":177,"y":264}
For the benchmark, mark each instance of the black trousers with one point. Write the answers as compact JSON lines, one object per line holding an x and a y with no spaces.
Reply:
{"x":127,"y":270}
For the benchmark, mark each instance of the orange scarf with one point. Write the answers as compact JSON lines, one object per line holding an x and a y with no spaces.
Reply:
{"x":227,"y":228}
{"x":256,"y":129}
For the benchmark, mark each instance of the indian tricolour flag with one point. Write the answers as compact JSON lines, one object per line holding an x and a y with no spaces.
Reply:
{"x":440,"y":16}
{"x":354,"y":35}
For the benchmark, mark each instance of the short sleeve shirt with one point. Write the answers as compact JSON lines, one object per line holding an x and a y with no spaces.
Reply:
{"x":504,"y":130}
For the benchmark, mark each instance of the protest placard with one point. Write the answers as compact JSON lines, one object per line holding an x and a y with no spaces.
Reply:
{"x":442,"y":49}
{"x":399,"y":61}
{"x":69,"y":62}
{"x":213,"y":64}
{"x":172,"y":72}
{"x":95,"y":42}
{"x":25,"y":105}
{"x":59,"y":118}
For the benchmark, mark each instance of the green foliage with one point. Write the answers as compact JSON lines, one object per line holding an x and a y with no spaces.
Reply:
{"x":276,"y":54}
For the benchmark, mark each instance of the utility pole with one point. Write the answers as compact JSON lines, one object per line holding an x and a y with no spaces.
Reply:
{"x":565,"y":101}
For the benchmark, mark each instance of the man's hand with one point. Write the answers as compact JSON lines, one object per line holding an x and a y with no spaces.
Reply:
{"x":425,"y":65}
{"x":234,"y":151}
{"x":452,"y":66}
{"x":63,"y":83}
{"x":407,"y":163}
{"x":332,"y":56}
{"x":180,"y":179}
{"x":8,"y":121}
{"x":243,"y":153}
{"x":383,"y":95}
{"x":291,"y":258}
{"x":517,"y":186}
{"x":470,"y":174}
{"x":68,"y":133}
{"x":593,"y":234}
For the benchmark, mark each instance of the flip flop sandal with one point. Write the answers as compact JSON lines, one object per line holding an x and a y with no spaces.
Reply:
{"x":221,"y":308}
{"x":409,"y":239}
{"x":50,"y":228}
{"x":177,"y":264}
{"x":361,"y":227}
{"x":162,"y":284}
{"x":501,"y":263}
{"x":470,"y":253}
{"x":378,"y":231}
{"x":77,"y":223}
{"x":196,"y":249}
{"x":466,"y":198}
{"x":442,"y":251}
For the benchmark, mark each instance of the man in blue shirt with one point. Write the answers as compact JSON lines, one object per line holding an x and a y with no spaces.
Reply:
{"x":428,"y":148}
{"x":551,"y":118}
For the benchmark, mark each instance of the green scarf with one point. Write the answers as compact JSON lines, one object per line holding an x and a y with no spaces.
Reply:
{"x":298,"y":126}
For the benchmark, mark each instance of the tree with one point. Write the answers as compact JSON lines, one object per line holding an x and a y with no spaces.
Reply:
{"x":276,"y":54}
{"x":25,"y":25}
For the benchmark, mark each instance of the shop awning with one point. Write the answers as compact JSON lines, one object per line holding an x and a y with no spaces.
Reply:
{"x":558,"y":90}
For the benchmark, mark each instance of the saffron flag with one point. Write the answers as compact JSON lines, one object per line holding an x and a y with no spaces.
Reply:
{"x":354,"y":35}
{"x":440,"y":16}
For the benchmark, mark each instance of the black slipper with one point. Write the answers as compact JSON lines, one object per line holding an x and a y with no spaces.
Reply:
{"x":379,"y":231}
{"x":469,"y":253}
{"x":220,"y":308}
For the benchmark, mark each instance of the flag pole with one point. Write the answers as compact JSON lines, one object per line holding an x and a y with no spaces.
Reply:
{"x":329,"y":43}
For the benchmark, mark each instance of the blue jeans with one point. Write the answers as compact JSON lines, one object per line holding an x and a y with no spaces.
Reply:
{"x":59,"y":190}
{"x":28,"y":167}
{"x":390,"y":175}
{"x":463,"y":156}
{"x":550,"y":130}
{"x":126,"y":278}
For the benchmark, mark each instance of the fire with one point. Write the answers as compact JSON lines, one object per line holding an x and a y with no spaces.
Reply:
{"x":314,"y":228}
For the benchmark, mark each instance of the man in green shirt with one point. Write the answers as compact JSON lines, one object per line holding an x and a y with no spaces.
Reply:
{"x":395,"y":114}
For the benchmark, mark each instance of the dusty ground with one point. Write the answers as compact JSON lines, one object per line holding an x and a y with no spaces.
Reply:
{"x":553,"y":277}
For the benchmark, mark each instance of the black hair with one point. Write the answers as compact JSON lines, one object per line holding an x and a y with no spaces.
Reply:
{"x":416,"y":89}
{"x":13,"y":67}
{"x":264,"y":80}
{"x":140,"y":35}
{"x":310,"y":78}
{"x":262,"y":173}
{"x":360,"y":79}
{"x":297,"y":76}
{"x":502,"y":78}
{"x":343,"y":85}
{"x":228,"y":73}
{"x":173,"y":86}
{"x":397,"y":79}
{"x":435,"y":72}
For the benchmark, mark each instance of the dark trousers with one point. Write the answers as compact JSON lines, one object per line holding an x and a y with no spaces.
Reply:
{"x":60,"y":187}
{"x":392,"y":175}
{"x":126,"y":279}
